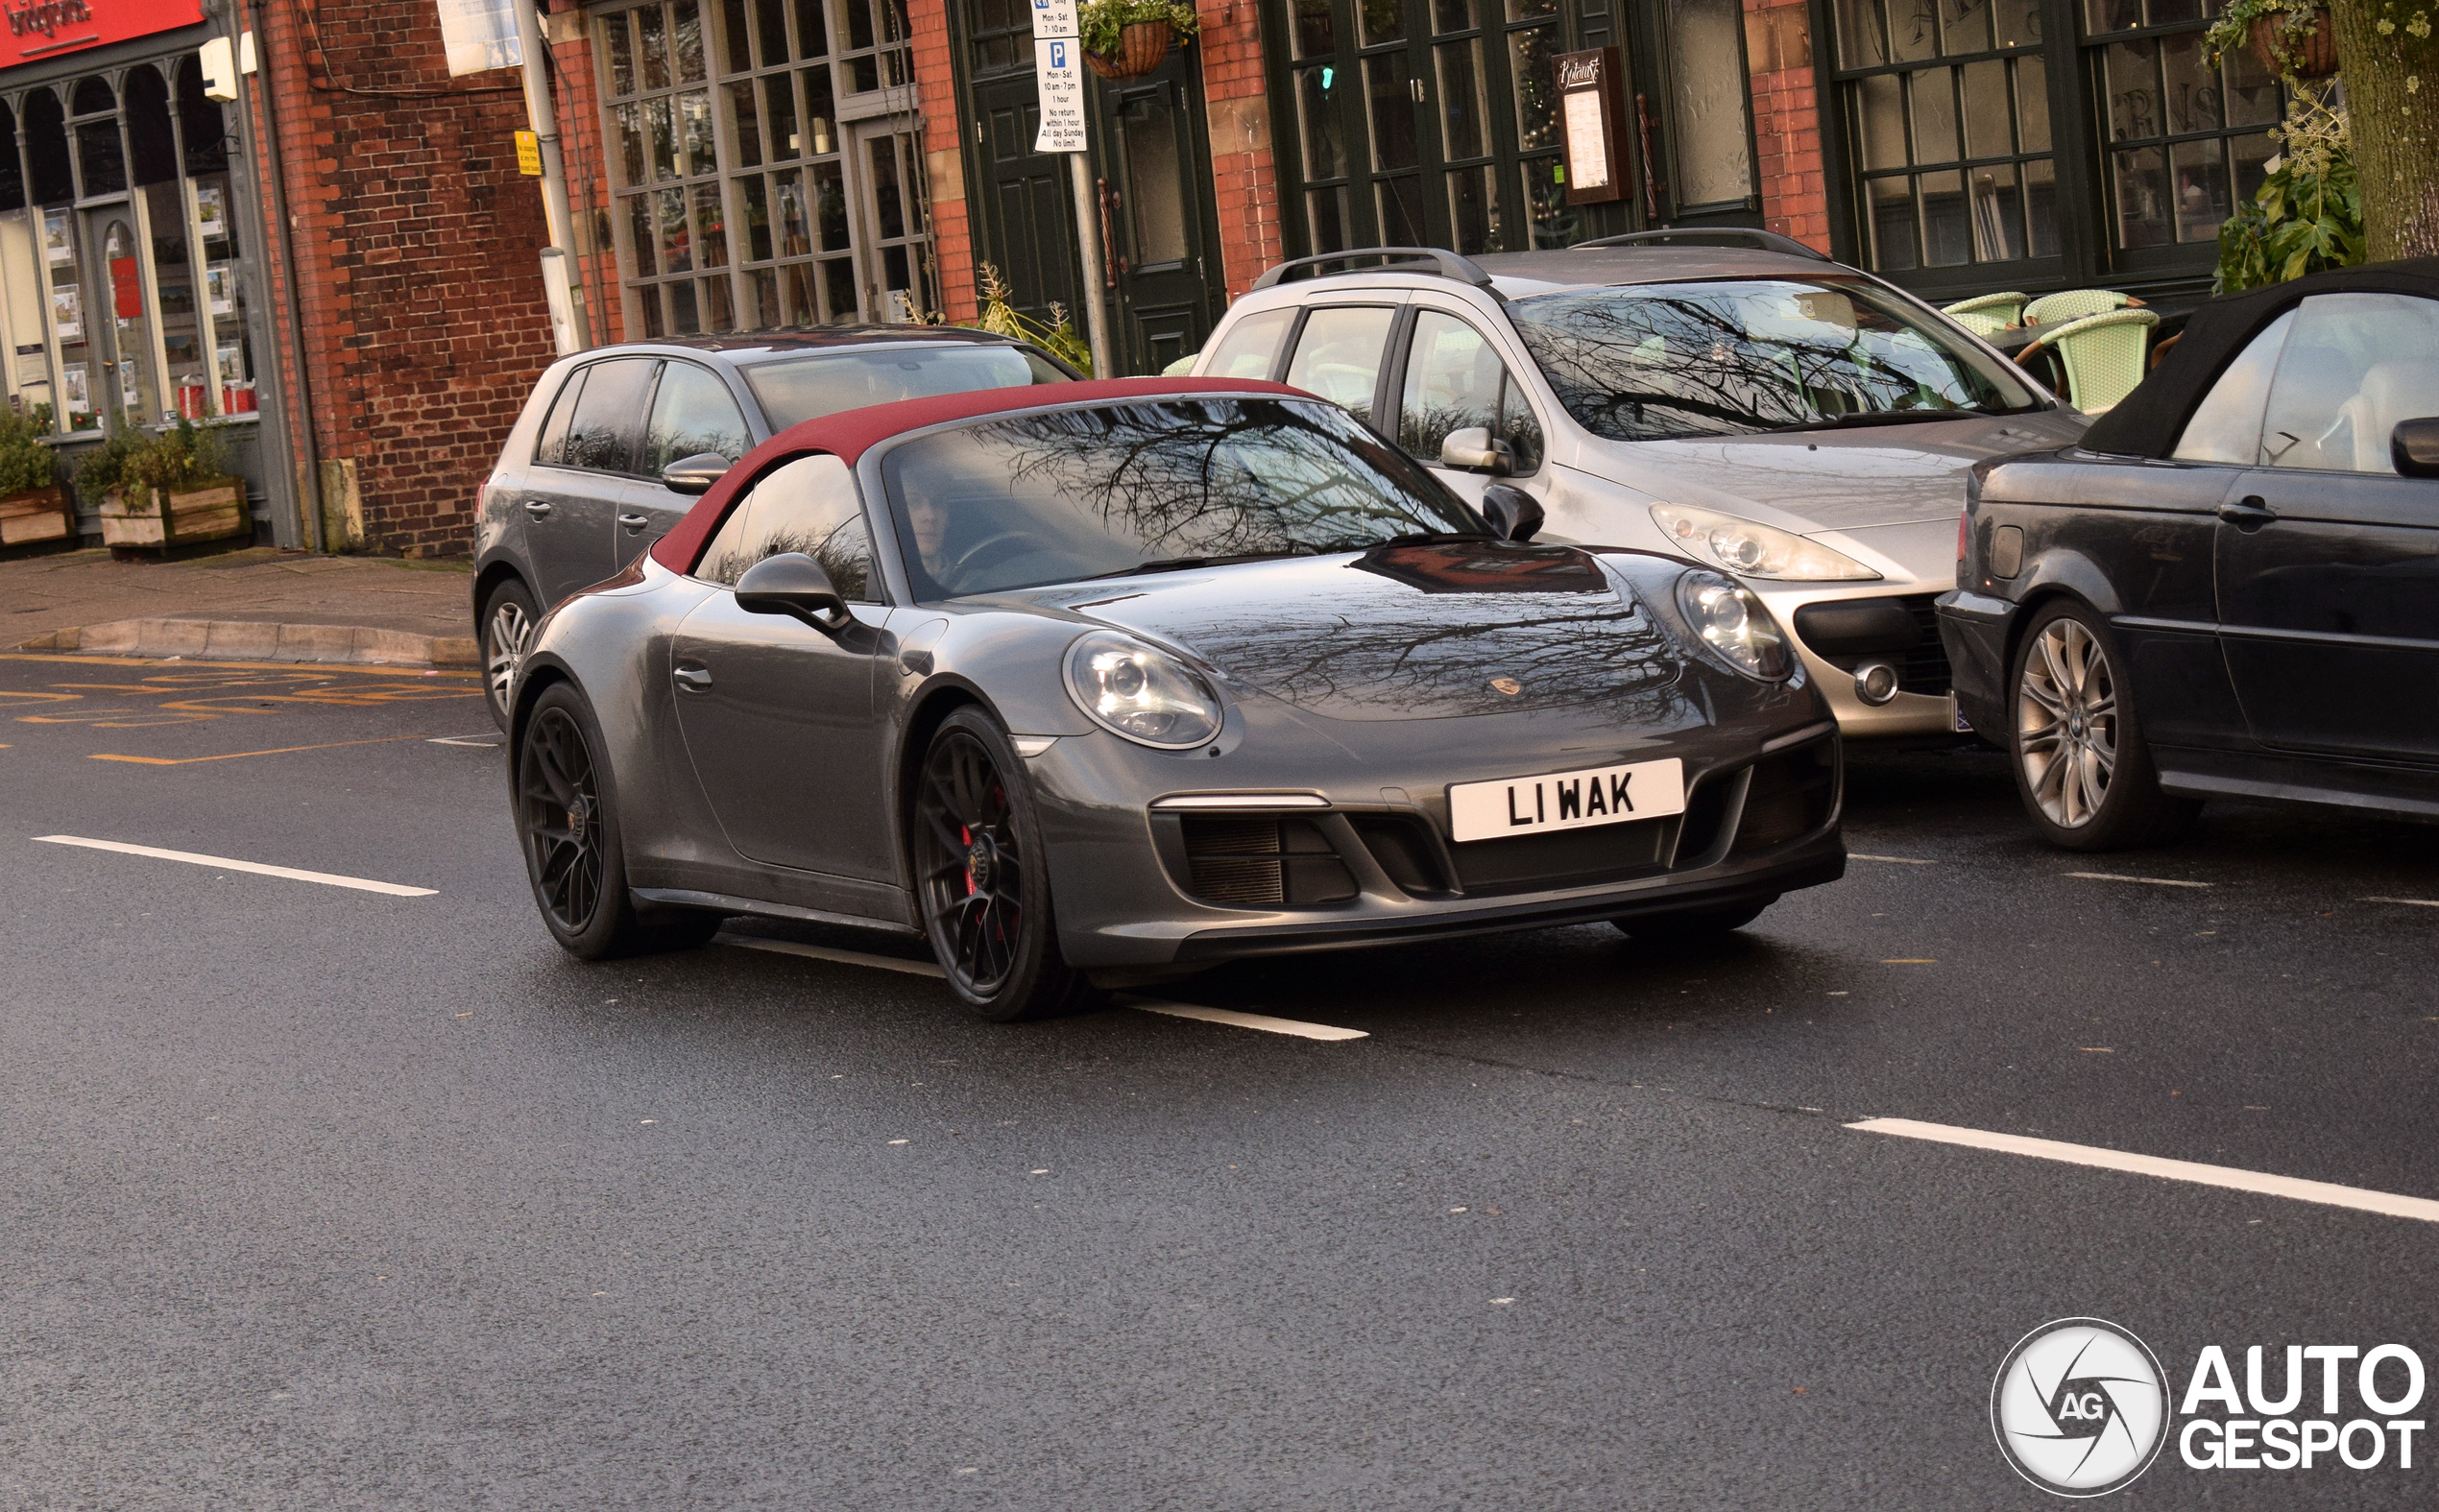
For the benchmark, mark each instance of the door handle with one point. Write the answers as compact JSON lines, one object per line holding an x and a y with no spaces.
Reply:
{"x":2248,"y":514}
{"x":694,"y":679}
{"x":537,"y":508}
{"x":635,"y":522}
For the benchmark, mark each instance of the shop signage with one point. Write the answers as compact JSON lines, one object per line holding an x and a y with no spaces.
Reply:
{"x":1588,"y":114}
{"x":1058,"y":73}
{"x":529,"y":154}
{"x":126,"y":289}
{"x":40,"y":29}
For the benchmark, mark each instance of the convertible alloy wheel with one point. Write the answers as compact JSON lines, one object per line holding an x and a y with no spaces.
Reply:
{"x":558,"y":807}
{"x":2081,"y":762}
{"x":508,"y":629}
{"x":979,"y":881}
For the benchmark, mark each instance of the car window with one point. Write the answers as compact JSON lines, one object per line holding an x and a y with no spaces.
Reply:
{"x":553,"y":449}
{"x":2353,"y":366}
{"x":808,"y":505}
{"x":693,"y":413}
{"x":1029,"y":499}
{"x":1338,"y":355}
{"x":1251,"y":346}
{"x":609,"y":416}
{"x":793,"y":390}
{"x":1729,"y":358}
{"x":2226,"y":425}
{"x":1455,"y":381}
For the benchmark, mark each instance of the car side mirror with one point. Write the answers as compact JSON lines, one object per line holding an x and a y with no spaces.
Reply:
{"x":695,"y":474}
{"x":1512,"y":513}
{"x":2414,"y":447}
{"x":1472,"y":451}
{"x":795,"y":584}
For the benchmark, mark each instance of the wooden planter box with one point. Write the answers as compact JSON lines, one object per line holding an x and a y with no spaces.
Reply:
{"x":36,"y":515}
{"x":159,"y":520}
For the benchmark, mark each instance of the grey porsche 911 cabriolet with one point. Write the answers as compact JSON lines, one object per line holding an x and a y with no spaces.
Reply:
{"x":1121,"y":679}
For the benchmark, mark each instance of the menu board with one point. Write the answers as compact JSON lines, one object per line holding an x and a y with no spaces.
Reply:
{"x":1588,"y":118}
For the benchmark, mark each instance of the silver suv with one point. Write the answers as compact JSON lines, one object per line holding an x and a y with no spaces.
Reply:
{"x":1795,"y":420}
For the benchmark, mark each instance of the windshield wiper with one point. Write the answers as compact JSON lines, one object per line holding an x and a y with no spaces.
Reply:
{"x":1889,"y":417}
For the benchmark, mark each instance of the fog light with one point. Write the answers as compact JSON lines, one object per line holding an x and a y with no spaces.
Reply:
{"x":1875,"y":683}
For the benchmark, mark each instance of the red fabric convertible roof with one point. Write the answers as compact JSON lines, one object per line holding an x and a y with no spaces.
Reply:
{"x":850,"y":433}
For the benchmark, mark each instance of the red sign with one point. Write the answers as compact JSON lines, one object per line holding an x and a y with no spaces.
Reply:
{"x":40,"y":29}
{"x":126,"y":289}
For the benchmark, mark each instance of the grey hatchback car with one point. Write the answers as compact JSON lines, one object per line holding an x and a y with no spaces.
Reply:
{"x":616,"y":443}
{"x":1756,"y":407}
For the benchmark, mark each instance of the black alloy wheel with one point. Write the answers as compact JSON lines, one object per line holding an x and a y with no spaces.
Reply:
{"x":507,"y":630}
{"x":981,"y":878}
{"x":567,"y":820}
{"x":2082,"y":765}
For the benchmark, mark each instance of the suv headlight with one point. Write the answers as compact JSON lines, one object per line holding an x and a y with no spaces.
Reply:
{"x":1733,"y":623}
{"x":1140,"y":692}
{"x":1751,"y":549}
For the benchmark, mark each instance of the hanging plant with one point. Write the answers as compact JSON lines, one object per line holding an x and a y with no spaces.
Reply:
{"x":1127,"y":39}
{"x":2293,"y":38}
{"x":2307,"y":216}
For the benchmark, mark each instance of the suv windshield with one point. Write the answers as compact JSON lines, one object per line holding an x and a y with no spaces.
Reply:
{"x":797,"y":388}
{"x":1658,"y":362}
{"x":1030,"y":499}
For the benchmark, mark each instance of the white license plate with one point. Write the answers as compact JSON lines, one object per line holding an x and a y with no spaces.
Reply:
{"x":1528,"y":805}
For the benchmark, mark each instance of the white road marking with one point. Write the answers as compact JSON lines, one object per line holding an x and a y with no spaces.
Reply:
{"x":326,"y":878}
{"x":1893,"y":860}
{"x":823,"y":953}
{"x":2410,"y":903}
{"x":2155,"y":882}
{"x":486,"y":742}
{"x":1248,"y":1021}
{"x":892,"y":963}
{"x":2226,"y":1176}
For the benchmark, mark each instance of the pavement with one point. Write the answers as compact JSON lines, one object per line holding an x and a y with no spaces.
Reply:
{"x":257,"y":605}
{"x":312,"y":1195}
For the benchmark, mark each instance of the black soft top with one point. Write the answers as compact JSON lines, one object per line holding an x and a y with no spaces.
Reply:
{"x":2147,"y":422}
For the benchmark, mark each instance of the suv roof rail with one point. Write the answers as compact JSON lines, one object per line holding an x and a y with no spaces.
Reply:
{"x":1446,"y":264}
{"x":1715,"y":236}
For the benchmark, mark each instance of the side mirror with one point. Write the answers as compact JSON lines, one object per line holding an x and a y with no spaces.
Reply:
{"x":1472,"y":451}
{"x":1514,"y":514}
{"x":695,"y":474}
{"x":795,"y":584}
{"x":2414,"y":447}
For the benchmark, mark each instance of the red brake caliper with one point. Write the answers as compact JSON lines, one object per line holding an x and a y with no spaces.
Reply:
{"x":965,"y":837}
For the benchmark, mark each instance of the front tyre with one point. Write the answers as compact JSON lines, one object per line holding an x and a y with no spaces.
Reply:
{"x":567,"y":824}
{"x":981,"y":879}
{"x":2081,"y":761}
{"x":507,"y":630}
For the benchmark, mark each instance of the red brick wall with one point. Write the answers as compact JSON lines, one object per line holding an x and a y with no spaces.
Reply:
{"x":415,"y":242}
{"x":576,"y":90}
{"x":1242,"y":161}
{"x":1787,"y":120}
{"x":944,"y":158}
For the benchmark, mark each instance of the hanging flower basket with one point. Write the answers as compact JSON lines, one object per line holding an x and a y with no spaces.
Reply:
{"x":2315,"y":51}
{"x":1140,"y":47}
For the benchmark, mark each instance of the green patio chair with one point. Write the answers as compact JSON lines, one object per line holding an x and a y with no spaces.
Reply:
{"x":2057,"y":309}
{"x":2001,"y":310}
{"x":1181,"y":366}
{"x":2102,"y":355}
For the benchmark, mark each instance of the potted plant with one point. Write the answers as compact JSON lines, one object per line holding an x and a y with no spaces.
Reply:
{"x":170,"y":489}
{"x":1127,"y":39}
{"x":32,"y":505}
{"x":2307,"y":216}
{"x":2291,"y":37}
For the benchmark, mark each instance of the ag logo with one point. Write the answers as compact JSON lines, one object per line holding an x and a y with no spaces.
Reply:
{"x":2080,"y":1407}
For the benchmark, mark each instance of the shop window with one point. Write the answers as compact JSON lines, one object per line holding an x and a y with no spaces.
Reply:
{"x":2185,"y":141}
{"x":1710,"y":104}
{"x":1947,"y":104}
{"x":733,"y":174}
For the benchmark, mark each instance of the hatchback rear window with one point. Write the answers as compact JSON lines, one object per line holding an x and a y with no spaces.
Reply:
{"x":797,"y":388}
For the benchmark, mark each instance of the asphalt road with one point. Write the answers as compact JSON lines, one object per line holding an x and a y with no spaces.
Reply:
{"x":316,"y":1197}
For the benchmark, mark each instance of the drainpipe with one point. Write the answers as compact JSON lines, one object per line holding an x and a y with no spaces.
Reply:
{"x":569,"y":322}
{"x":291,"y":303}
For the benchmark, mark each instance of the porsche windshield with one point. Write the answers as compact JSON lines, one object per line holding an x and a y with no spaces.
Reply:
{"x":1030,"y":499}
{"x":1732,"y":357}
{"x":796,"y":389}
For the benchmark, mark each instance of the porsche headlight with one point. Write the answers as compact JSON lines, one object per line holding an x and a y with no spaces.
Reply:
{"x":1140,"y":692}
{"x":1732,"y":622}
{"x":1751,"y":549}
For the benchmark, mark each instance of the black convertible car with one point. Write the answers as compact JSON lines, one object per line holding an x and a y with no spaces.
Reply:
{"x":2231,"y":587}
{"x":1111,"y":680}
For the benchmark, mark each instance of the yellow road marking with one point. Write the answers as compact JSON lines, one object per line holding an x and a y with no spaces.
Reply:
{"x":336,"y":669}
{"x":236,"y":756}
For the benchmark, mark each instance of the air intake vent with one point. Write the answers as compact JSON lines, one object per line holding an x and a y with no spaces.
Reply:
{"x":1257,"y":863}
{"x":1792,"y":795}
